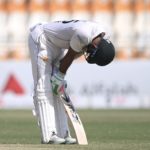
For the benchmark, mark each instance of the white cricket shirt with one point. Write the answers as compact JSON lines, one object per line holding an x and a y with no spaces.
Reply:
{"x":75,"y":34}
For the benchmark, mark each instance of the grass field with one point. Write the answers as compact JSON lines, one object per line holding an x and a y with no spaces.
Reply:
{"x":106,"y":130}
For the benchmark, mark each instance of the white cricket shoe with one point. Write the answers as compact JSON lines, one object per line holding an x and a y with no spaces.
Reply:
{"x":70,"y":140}
{"x":56,"y":140}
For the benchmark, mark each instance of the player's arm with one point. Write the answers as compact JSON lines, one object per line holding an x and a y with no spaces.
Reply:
{"x":67,"y":60}
{"x":57,"y":78}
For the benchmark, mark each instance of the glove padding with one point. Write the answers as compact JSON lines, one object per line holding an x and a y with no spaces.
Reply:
{"x":58,"y":83}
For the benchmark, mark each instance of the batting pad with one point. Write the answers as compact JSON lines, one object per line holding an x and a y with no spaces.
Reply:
{"x":46,"y":119}
{"x":61,"y":118}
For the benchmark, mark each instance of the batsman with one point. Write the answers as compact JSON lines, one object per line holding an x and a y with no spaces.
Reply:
{"x":53,"y":47}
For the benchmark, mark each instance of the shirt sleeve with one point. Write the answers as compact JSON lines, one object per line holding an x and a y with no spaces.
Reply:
{"x":79,"y":40}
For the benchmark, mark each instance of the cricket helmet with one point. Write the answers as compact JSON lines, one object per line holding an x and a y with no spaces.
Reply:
{"x":101,"y":55}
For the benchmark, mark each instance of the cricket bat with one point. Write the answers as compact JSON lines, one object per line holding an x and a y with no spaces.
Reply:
{"x":75,"y":119}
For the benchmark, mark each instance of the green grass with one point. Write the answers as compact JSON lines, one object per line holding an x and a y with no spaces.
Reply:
{"x":106,"y":130}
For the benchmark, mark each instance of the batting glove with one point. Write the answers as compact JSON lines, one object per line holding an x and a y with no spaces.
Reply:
{"x":58,"y":83}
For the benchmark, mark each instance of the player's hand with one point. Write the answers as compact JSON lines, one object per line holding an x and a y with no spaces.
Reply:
{"x":58,"y":83}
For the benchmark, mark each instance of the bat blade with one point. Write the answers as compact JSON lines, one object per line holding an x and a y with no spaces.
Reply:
{"x":75,"y":120}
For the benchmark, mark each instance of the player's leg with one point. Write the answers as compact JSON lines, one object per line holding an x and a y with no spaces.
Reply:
{"x":62,"y":121}
{"x":61,"y":117}
{"x":43,"y":98}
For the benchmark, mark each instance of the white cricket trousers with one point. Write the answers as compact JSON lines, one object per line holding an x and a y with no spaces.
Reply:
{"x":49,"y":108}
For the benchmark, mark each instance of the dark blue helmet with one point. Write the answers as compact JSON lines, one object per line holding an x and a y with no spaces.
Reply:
{"x":101,"y":55}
